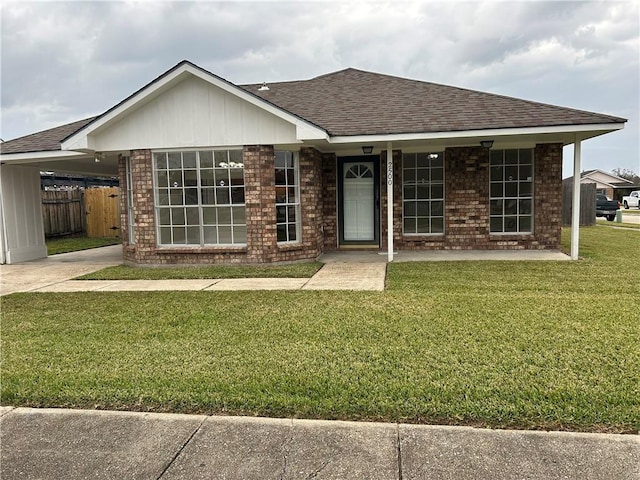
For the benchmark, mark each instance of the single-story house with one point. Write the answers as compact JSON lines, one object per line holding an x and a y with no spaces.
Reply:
{"x":216,"y":172}
{"x":606,"y":183}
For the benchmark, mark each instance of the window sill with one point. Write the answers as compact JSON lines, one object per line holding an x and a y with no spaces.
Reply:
{"x":194,"y":249}
{"x":289,"y":247}
{"x":422,"y":236}
{"x":498,"y":237}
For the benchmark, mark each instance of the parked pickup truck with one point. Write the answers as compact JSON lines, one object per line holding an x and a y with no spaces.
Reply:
{"x":606,"y":208}
{"x":633,"y":200}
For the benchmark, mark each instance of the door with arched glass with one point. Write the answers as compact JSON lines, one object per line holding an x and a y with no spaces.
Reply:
{"x":359,"y":192}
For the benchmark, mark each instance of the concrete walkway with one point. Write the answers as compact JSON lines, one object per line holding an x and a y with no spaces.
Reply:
{"x":82,"y":444}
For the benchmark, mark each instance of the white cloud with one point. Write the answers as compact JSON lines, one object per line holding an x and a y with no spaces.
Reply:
{"x":63,"y":61}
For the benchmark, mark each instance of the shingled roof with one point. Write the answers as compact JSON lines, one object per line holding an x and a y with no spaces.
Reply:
{"x":356,"y":102}
{"x":47,"y":140}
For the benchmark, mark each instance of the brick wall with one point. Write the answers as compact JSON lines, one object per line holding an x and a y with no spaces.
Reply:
{"x":262,"y":246}
{"x":467,"y":204}
{"x":466,"y":208}
{"x":329,"y":200}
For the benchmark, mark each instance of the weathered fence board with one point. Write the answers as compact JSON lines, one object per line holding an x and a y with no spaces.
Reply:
{"x":62,"y":212}
{"x":102,"y":212}
{"x":587,"y":203}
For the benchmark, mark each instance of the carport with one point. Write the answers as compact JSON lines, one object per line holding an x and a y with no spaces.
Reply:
{"x":21,"y":161}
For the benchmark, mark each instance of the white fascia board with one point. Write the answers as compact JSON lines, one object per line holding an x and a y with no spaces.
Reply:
{"x":497,"y":132}
{"x":80,"y":140}
{"x":611,"y":175}
{"x":46,"y":155}
{"x":588,"y":179}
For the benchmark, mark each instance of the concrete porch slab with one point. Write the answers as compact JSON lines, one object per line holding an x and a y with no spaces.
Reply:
{"x":232,"y":284}
{"x":476,"y":255}
{"x":247,"y":448}
{"x":443,"y":256}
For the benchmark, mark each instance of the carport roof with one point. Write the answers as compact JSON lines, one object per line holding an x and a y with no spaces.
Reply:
{"x":44,"y":141}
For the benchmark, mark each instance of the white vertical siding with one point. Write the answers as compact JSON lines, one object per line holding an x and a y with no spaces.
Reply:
{"x":23,"y":233}
{"x":194,"y":113}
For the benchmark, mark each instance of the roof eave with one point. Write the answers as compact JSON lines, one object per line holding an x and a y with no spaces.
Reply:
{"x":582,"y":132}
{"x":42,"y":155}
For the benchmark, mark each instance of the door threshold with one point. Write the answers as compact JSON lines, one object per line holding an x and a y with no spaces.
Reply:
{"x":359,"y":247}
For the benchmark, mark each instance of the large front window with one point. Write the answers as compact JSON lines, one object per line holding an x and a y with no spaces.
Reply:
{"x":511,"y":191}
{"x":199,"y":197}
{"x":423,"y":193}
{"x":287,"y":197}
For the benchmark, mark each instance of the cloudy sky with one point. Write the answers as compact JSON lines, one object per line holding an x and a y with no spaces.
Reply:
{"x":64,"y":61}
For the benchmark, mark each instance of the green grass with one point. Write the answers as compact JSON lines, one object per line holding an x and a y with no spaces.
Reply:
{"x":632,"y":211}
{"x":536,"y":345}
{"x":73,"y":244}
{"x":123,"y":272}
{"x":603,"y":222}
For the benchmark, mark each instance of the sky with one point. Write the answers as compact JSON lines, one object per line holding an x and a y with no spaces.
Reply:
{"x":65,"y":61}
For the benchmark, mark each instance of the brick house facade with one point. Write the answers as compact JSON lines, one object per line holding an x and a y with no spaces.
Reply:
{"x":466,"y":174}
{"x":213,"y":172}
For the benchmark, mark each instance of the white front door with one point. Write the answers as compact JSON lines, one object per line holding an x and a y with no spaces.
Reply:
{"x":358,"y":198}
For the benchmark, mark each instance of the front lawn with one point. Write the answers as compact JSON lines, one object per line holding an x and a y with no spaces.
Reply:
{"x":73,"y":244}
{"x":502,"y":344}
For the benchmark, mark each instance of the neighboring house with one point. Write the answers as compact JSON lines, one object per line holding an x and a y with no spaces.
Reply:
{"x":216,"y":172}
{"x":606,"y":183}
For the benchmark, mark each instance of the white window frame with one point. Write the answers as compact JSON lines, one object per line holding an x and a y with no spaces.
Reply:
{"x":206,"y":185}
{"x":518,"y":181}
{"x":129,"y":200}
{"x":289,"y":203}
{"x":431,"y":158}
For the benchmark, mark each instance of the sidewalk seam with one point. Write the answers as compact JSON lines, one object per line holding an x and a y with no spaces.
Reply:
{"x":399,"y":451}
{"x":182,"y":447}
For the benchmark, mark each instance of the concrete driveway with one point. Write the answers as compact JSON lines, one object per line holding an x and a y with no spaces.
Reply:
{"x":630,"y":217}
{"x":28,"y":276}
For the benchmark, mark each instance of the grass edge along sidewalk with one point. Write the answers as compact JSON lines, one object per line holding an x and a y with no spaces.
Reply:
{"x":499,"y":344}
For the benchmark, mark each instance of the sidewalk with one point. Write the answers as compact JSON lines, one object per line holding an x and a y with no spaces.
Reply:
{"x":80,"y":444}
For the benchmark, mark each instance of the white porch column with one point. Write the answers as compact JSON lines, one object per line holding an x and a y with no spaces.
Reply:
{"x":575,"y":205}
{"x":389,"y":202}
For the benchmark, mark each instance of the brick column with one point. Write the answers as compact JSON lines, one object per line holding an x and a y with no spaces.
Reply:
{"x":548,"y":195}
{"x":330,"y":199}
{"x":311,"y":200}
{"x":466,"y":197}
{"x":143,"y":209}
{"x":260,"y":199}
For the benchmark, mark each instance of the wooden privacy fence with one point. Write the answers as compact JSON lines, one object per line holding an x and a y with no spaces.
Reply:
{"x":62,"y":212}
{"x":587,"y":203}
{"x":93,"y":211}
{"x":102,"y":213}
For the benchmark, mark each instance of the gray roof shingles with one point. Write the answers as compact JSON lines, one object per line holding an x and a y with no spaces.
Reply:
{"x":47,"y":140}
{"x":355,"y":102}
